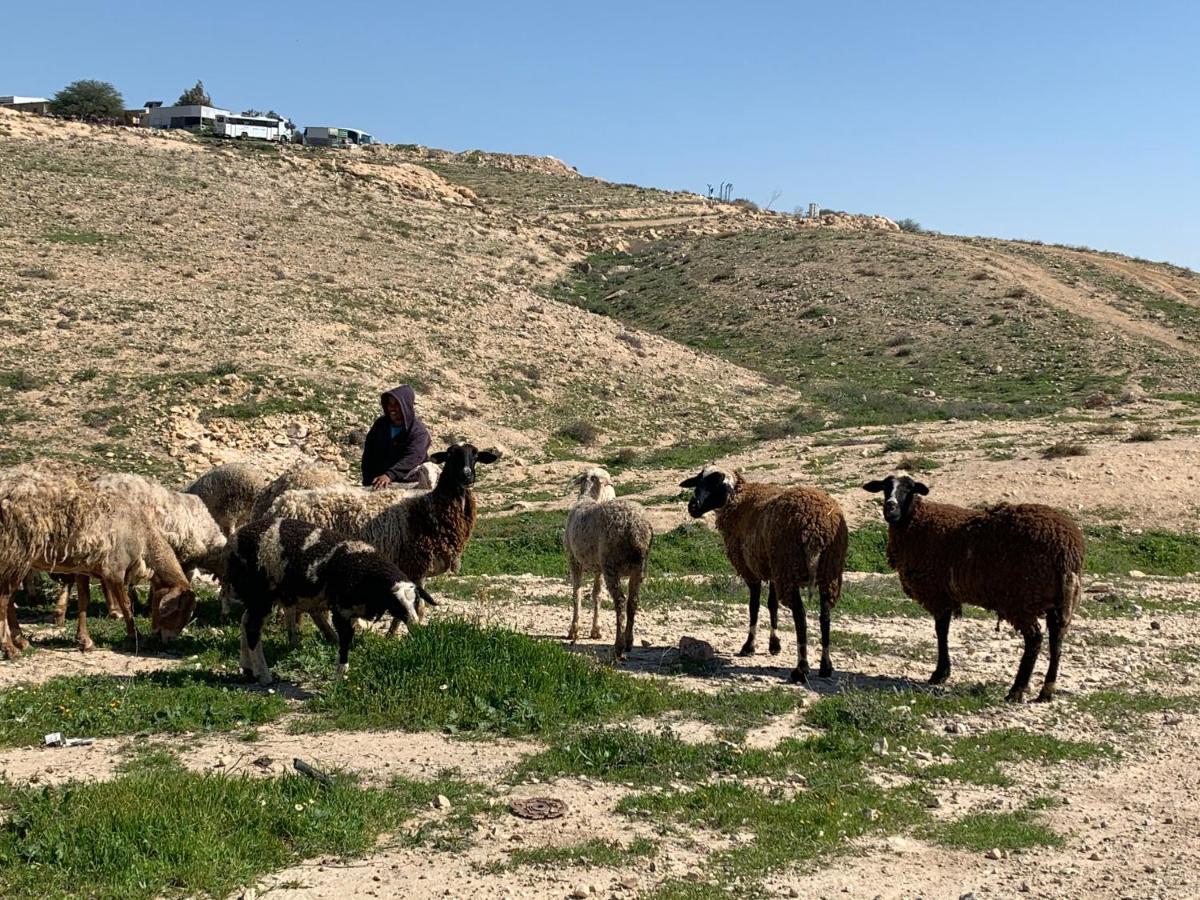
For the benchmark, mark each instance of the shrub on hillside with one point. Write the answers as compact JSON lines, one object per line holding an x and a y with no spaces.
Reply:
{"x":88,"y":99}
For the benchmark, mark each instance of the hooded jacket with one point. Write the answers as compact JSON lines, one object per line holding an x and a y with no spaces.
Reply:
{"x":397,"y":456}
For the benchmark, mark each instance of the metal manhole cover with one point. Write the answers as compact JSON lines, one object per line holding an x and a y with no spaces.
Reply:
{"x":538,"y":808}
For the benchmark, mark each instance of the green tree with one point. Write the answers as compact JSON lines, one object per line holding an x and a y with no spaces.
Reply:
{"x":88,"y":99}
{"x":196,"y":95}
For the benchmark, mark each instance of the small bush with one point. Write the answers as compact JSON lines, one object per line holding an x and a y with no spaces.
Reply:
{"x":625,"y":456}
{"x":1017,"y":292}
{"x":917,"y":463}
{"x":38,"y":272}
{"x":631,"y":339}
{"x":899,"y":444}
{"x":1060,"y":449}
{"x":19,"y":380}
{"x":581,"y":432}
{"x":1145,"y":433}
{"x":912,"y":226}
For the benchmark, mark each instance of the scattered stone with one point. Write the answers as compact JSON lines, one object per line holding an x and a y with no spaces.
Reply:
{"x":994,"y":853}
{"x":443,"y":802}
{"x":695,"y":650}
{"x":1094,"y":856}
{"x":880,"y":747}
{"x":580,"y":892}
{"x":1136,"y":573}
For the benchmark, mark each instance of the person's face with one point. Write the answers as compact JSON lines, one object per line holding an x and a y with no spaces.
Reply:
{"x":393,"y":411}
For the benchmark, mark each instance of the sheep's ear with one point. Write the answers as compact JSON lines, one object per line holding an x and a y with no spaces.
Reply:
{"x":487,"y":456}
{"x":920,"y":488}
{"x":874,"y":487}
{"x":690,"y":482}
{"x":439,"y":457}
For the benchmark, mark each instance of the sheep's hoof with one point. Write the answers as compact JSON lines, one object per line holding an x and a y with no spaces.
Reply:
{"x":572,"y":635}
{"x":60,"y":620}
{"x":619,"y":654}
{"x":1014,"y":696}
{"x":826,"y":670}
{"x":1046,"y":694}
{"x":939,"y":677}
{"x":798,"y":676}
{"x":11,"y":652}
{"x":596,"y":635}
{"x":266,"y":679}
{"x":747,"y":649}
{"x":775,"y":646}
{"x":85,"y":644}
{"x":20,"y":642}
{"x":247,"y":672}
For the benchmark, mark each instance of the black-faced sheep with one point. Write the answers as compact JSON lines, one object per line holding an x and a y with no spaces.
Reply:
{"x":791,"y":537}
{"x":423,"y":534}
{"x":1021,"y":561}
{"x":54,"y":523}
{"x":302,"y":566}
{"x":608,"y":537}
{"x":229,"y":492}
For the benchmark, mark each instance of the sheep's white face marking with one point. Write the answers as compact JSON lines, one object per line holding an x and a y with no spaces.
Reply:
{"x":712,"y":489}
{"x":314,"y":537}
{"x":406,"y":593}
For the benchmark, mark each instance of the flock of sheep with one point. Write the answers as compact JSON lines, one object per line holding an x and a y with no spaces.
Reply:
{"x":309,"y":543}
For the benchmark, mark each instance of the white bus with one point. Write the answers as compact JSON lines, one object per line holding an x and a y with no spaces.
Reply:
{"x":260,"y":127}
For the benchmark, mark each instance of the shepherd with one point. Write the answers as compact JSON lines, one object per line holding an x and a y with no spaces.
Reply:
{"x":397,"y":443}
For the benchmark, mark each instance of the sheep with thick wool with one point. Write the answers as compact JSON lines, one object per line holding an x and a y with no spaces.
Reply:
{"x":55,"y":523}
{"x":229,"y":492}
{"x":610,"y":538}
{"x":1021,"y":561}
{"x":304,"y":567}
{"x":791,"y":537}
{"x":423,"y":534}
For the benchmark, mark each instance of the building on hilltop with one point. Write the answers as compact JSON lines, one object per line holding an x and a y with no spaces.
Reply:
{"x":329,"y":136}
{"x":39,"y":105}
{"x":190,"y":117}
{"x":221,"y":122}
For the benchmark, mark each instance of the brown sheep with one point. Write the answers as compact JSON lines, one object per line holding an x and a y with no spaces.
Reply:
{"x":1021,"y":561}
{"x":791,"y":537}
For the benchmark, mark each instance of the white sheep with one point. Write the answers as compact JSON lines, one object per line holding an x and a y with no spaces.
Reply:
{"x":229,"y":492}
{"x":55,"y":523}
{"x":607,"y":537}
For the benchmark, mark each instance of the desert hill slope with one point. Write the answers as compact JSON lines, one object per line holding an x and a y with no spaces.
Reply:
{"x":169,"y":303}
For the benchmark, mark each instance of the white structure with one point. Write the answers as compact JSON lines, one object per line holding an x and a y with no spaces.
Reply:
{"x":26,"y":104}
{"x":190,"y":117}
{"x":330,"y":136}
{"x":262,"y":127}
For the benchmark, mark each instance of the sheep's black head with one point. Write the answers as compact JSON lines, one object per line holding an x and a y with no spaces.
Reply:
{"x":458,"y":463}
{"x":898,"y":493}
{"x":711,"y":489}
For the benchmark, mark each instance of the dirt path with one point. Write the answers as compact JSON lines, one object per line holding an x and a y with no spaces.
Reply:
{"x":1040,"y":281}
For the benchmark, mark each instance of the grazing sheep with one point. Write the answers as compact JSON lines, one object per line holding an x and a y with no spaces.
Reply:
{"x":302,"y":566}
{"x":183,"y":519}
{"x":792,"y":537}
{"x":229,"y":492}
{"x":1021,"y":561}
{"x":608,"y":537}
{"x":52,"y":523}
{"x":422,"y":533}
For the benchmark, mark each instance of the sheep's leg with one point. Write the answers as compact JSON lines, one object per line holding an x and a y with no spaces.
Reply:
{"x":83,"y":594}
{"x":826,"y":669}
{"x":345,"y":635}
{"x":773,"y":612}
{"x":1033,"y":643}
{"x":252,"y":623}
{"x":613,"y":581}
{"x":800,"y":673}
{"x":60,"y":605}
{"x":421,"y":608}
{"x":114,"y":592}
{"x":1055,"y":628}
{"x":320,"y":618}
{"x":596,"y":633}
{"x":6,"y":645}
{"x":291,"y":617}
{"x":576,"y":579}
{"x":755,"y":596}
{"x":941,"y":626}
{"x":631,"y":602}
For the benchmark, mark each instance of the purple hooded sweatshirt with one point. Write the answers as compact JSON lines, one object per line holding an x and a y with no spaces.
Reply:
{"x":394,"y":451}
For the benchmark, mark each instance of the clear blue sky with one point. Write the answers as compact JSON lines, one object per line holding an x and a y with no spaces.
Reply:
{"x":1076,"y":122}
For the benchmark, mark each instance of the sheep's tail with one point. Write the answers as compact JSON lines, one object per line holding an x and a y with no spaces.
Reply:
{"x":1072,"y":592}
{"x":646,"y":558}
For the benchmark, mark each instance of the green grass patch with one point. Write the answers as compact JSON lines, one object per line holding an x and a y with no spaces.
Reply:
{"x":1124,"y":712}
{"x":454,"y":676}
{"x":977,"y":759}
{"x":531,"y":542}
{"x":169,"y":832}
{"x":980,"y":832}
{"x":67,"y":236}
{"x":1155,"y":552}
{"x":104,"y":706}
{"x":868,"y":549}
{"x":590,"y":854}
